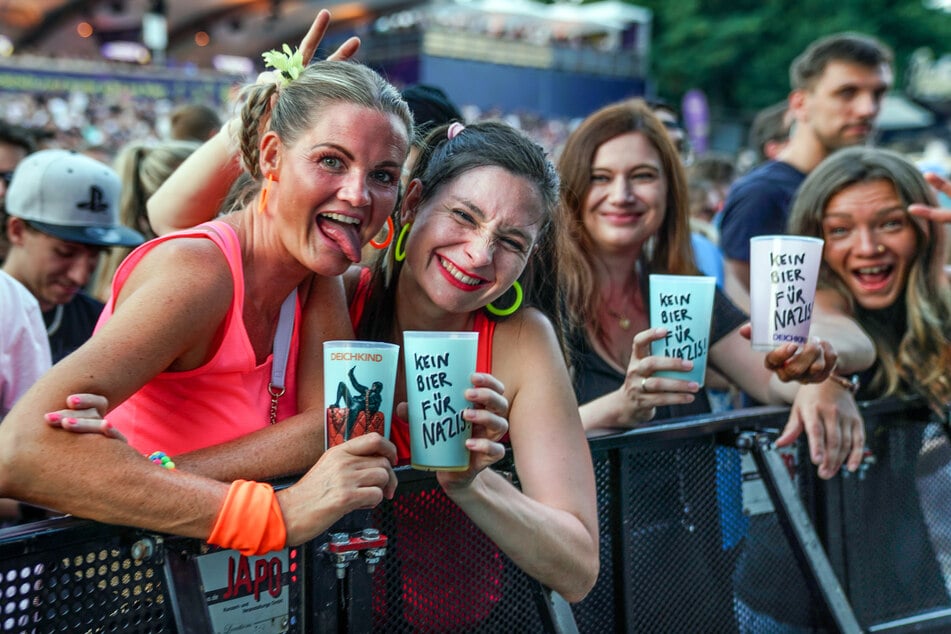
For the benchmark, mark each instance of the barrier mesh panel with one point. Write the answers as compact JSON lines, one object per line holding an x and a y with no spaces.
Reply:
{"x":442,"y":574}
{"x":675,"y":546}
{"x":772,"y":594}
{"x":598,"y":611}
{"x":81,"y":586}
{"x":683,"y":541}
{"x":690,"y":542}
{"x":897,"y":525}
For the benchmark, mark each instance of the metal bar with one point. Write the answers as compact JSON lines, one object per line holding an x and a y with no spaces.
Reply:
{"x":937,"y":621}
{"x":188,"y":606}
{"x":802,"y":536}
{"x":555,"y":613}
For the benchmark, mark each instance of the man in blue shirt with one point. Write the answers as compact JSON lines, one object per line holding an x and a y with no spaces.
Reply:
{"x":837,"y":88}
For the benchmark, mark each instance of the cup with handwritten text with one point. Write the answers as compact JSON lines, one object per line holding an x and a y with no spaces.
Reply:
{"x":359,"y":384}
{"x":682,"y":304}
{"x":439,"y":366}
{"x":783,"y":274}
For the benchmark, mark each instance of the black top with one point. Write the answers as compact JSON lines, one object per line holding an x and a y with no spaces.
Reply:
{"x":79,"y":317}
{"x":758,"y":204}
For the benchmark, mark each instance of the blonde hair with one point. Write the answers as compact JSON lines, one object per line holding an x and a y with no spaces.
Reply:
{"x":293,"y":108}
{"x":918,"y":358}
{"x":142,"y":168}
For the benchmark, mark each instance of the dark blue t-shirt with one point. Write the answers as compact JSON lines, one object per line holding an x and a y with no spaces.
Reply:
{"x":758,"y":204}
{"x":70,"y":327}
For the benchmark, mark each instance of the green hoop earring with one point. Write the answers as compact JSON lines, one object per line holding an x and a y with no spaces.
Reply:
{"x":398,"y":255}
{"x":505,"y":312}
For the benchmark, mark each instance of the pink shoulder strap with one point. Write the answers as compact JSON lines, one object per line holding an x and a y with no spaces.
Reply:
{"x":221,"y":233}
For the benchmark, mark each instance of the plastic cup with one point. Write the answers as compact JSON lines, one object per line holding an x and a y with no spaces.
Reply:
{"x":439,"y":366}
{"x":683,"y":304}
{"x":783,"y":274}
{"x":359,"y":384}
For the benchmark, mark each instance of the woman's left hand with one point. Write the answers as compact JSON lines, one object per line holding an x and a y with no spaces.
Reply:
{"x":85,"y":415}
{"x":488,"y":417}
{"x":812,"y":363}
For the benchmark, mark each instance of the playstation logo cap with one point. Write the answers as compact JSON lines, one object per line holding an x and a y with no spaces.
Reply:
{"x":71,"y":197}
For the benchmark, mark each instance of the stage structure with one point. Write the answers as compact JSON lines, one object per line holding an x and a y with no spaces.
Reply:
{"x":559,"y":60}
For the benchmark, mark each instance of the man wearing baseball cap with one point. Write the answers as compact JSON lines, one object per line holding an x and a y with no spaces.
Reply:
{"x":62,"y":210}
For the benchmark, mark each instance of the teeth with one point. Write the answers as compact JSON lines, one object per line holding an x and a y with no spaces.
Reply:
{"x":347,"y":220}
{"x":872,"y":270}
{"x":459,"y":275}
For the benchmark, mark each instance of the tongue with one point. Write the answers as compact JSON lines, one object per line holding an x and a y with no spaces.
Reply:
{"x":346,"y":236}
{"x":872,"y":279}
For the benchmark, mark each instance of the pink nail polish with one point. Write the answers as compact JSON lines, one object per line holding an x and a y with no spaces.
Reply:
{"x":70,"y":421}
{"x":74,"y":400}
{"x":53,"y":417}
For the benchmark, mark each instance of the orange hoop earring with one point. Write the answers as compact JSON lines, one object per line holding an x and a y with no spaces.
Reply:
{"x":389,"y":235}
{"x":262,"y":202}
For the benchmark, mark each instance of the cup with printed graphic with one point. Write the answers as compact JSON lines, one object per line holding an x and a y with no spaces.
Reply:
{"x":439,"y":367}
{"x":783,"y":275}
{"x":359,"y":384}
{"x":683,"y":305}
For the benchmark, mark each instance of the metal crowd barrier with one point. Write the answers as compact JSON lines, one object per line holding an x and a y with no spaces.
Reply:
{"x":705,"y":527}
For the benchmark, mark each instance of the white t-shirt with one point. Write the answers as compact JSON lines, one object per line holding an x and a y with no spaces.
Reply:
{"x":24,"y":346}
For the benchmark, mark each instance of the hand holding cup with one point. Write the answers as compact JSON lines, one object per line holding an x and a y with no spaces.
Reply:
{"x":439,"y":367}
{"x":653,"y":381}
{"x":488,"y":418}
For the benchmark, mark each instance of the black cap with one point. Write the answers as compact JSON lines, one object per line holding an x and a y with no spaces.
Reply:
{"x":430,"y":106}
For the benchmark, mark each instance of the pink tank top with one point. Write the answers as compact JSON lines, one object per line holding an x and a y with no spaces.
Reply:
{"x":226,"y":398}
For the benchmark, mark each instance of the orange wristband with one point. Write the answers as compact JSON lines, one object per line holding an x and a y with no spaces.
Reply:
{"x":250,"y":521}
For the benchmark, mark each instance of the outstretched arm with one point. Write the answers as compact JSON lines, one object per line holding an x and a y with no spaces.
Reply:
{"x":550,"y":527}
{"x":93,"y":476}
{"x":289,"y":448}
{"x":827,"y":411}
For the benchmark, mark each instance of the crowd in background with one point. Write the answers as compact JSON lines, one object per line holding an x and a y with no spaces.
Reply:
{"x":634,"y":199}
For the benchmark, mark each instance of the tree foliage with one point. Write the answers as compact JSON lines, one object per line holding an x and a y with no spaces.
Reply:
{"x":738,"y":51}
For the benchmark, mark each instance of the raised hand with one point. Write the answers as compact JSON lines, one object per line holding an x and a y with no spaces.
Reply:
{"x":308,"y":45}
{"x":311,"y":41}
{"x":933,"y":213}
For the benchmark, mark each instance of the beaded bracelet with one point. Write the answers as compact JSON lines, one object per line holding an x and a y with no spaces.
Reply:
{"x":161,"y":459}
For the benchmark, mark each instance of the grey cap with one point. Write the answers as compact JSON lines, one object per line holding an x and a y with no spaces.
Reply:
{"x":71,"y":197}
